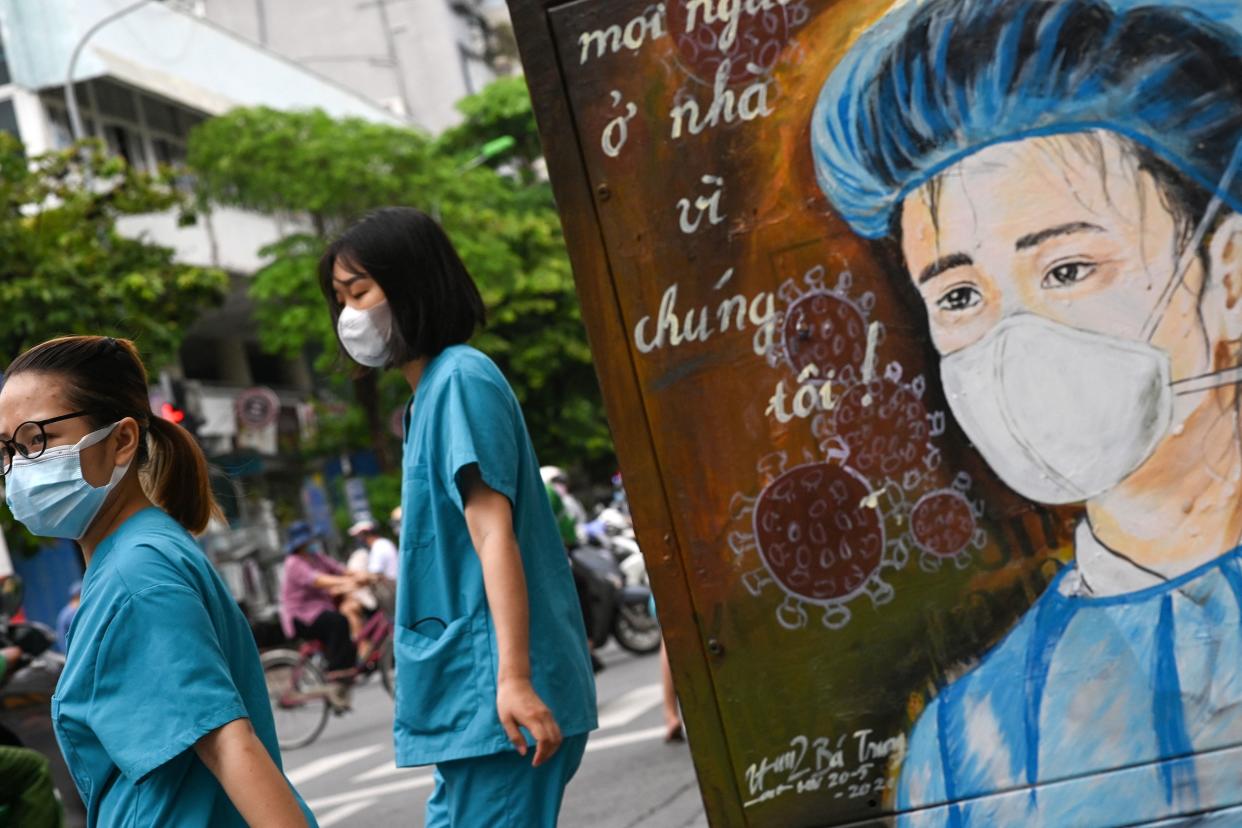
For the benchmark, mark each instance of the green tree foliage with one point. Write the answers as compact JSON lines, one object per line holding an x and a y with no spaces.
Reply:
{"x":327,"y":172}
{"x":66,"y":269}
{"x":503,"y":108}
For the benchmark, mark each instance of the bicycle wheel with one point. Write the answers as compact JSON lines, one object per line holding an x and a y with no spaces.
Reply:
{"x":298,"y":696}
{"x":388,"y":668}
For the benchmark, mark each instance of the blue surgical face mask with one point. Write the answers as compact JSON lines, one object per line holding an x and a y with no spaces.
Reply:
{"x":48,"y":494}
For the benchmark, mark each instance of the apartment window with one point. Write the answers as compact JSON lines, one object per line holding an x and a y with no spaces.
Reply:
{"x":265,"y":368}
{"x":167,"y":152}
{"x":125,"y":143}
{"x":161,"y":116}
{"x":8,"y":118}
{"x":115,"y":101}
{"x":200,"y":359}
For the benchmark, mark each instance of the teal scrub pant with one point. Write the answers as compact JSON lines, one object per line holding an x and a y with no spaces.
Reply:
{"x":503,"y":790}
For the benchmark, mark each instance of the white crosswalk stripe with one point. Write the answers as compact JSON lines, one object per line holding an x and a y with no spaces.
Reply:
{"x":330,"y":763}
{"x":426,"y":779}
{"x":616,"y":713}
{"x":628,"y":707}
{"x":343,"y":813}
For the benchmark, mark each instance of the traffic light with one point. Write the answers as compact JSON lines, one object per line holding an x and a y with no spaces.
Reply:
{"x":179,"y":412}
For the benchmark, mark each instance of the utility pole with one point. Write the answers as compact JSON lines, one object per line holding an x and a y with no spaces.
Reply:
{"x":260,"y":14}
{"x":394,"y":59}
{"x":71,"y":95}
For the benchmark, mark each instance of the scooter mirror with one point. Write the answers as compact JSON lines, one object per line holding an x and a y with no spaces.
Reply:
{"x":12,"y":592}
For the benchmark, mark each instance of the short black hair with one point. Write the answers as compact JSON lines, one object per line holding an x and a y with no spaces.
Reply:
{"x":434,"y":301}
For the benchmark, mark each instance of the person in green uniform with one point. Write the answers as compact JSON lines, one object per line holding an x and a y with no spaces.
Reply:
{"x":162,"y":710}
{"x":27,"y":796}
{"x":490,"y":647}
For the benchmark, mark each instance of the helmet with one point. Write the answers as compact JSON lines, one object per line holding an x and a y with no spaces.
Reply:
{"x":552,"y":474}
{"x":362,"y":527}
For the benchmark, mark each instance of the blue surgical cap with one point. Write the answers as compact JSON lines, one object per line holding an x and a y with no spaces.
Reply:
{"x":935,"y":82}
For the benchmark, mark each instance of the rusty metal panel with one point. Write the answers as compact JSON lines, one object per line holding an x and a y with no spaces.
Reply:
{"x":830,"y":554}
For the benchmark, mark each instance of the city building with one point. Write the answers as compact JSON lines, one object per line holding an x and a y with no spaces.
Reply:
{"x":415,"y":57}
{"x":142,"y":83}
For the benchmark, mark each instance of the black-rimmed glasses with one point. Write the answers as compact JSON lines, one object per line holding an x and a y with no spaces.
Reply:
{"x":29,"y":440}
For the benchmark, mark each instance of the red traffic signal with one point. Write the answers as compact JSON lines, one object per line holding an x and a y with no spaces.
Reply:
{"x":171,"y":413}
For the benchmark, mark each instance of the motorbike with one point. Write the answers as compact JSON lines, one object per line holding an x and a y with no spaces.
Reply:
{"x":613,"y":530}
{"x":26,"y":697}
{"x":613,"y":607}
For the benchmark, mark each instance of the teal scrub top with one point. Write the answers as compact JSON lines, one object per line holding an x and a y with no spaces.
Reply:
{"x":159,"y":656}
{"x":464,"y":414}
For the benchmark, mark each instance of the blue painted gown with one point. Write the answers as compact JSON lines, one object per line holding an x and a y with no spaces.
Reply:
{"x":1096,"y":709}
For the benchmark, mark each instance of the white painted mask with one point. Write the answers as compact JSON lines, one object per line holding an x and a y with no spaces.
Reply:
{"x":1061,"y":414}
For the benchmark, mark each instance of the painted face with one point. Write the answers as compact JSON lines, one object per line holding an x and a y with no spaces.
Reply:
{"x":1065,"y":227}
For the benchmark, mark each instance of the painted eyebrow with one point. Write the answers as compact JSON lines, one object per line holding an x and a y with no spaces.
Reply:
{"x":1034,"y":239}
{"x":349,"y":282}
{"x":944,"y":263}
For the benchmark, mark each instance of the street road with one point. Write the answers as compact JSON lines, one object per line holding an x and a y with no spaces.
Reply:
{"x":629,"y":777}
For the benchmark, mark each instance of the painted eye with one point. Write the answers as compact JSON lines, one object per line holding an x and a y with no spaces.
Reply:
{"x":1064,"y":275}
{"x":960,"y":298}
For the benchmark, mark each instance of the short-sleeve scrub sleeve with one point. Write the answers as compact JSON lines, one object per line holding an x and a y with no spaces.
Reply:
{"x":162,"y":681}
{"x":479,"y":423}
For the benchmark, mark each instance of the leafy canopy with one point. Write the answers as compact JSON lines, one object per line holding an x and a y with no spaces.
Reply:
{"x":67,"y":270}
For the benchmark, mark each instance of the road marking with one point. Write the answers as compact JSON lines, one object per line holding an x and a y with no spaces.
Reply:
{"x":382,"y":772}
{"x":620,"y":740}
{"x":328,"y":764}
{"x":344,"y":812}
{"x":372,"y":792}
{"x":616,"y":713}
{"x":625,"y":709}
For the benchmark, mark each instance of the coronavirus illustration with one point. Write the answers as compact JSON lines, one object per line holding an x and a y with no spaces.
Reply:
{"x":886,"y":425}
{"x":944,"y":526}
{"x":821,"y":328}
{"x":819,"y":532}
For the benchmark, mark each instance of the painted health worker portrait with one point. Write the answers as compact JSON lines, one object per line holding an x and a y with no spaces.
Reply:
{"x":1062,"y":180}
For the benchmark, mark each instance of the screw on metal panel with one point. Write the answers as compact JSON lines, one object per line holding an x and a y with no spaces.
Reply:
{"x":604,"y":192}
{"x":714,"y":647}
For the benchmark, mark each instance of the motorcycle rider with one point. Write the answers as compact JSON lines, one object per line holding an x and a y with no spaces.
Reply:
{"x":27,"y":791}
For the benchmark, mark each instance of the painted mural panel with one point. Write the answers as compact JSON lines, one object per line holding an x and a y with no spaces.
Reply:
{"x":934,"y":308}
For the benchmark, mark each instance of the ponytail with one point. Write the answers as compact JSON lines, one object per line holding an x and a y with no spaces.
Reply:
{"x":176,"y":477}
{"x":106,"y":378}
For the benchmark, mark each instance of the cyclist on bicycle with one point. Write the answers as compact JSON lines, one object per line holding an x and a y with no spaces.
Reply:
{"x":315,"y":603}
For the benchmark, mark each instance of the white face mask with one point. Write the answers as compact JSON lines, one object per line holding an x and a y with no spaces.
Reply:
{"x":49,"y":496}
{"x":365,"y":334}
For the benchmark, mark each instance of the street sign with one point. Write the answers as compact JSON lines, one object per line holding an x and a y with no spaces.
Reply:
{"x":258,"y":407}
{"x":356,"y":499}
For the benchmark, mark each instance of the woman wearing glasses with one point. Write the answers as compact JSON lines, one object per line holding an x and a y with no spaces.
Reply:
{"x":162,"y":709}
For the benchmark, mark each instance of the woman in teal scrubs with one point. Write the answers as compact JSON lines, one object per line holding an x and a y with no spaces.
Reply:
{"x":162,"y":711}
{"x":490,"y":647}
